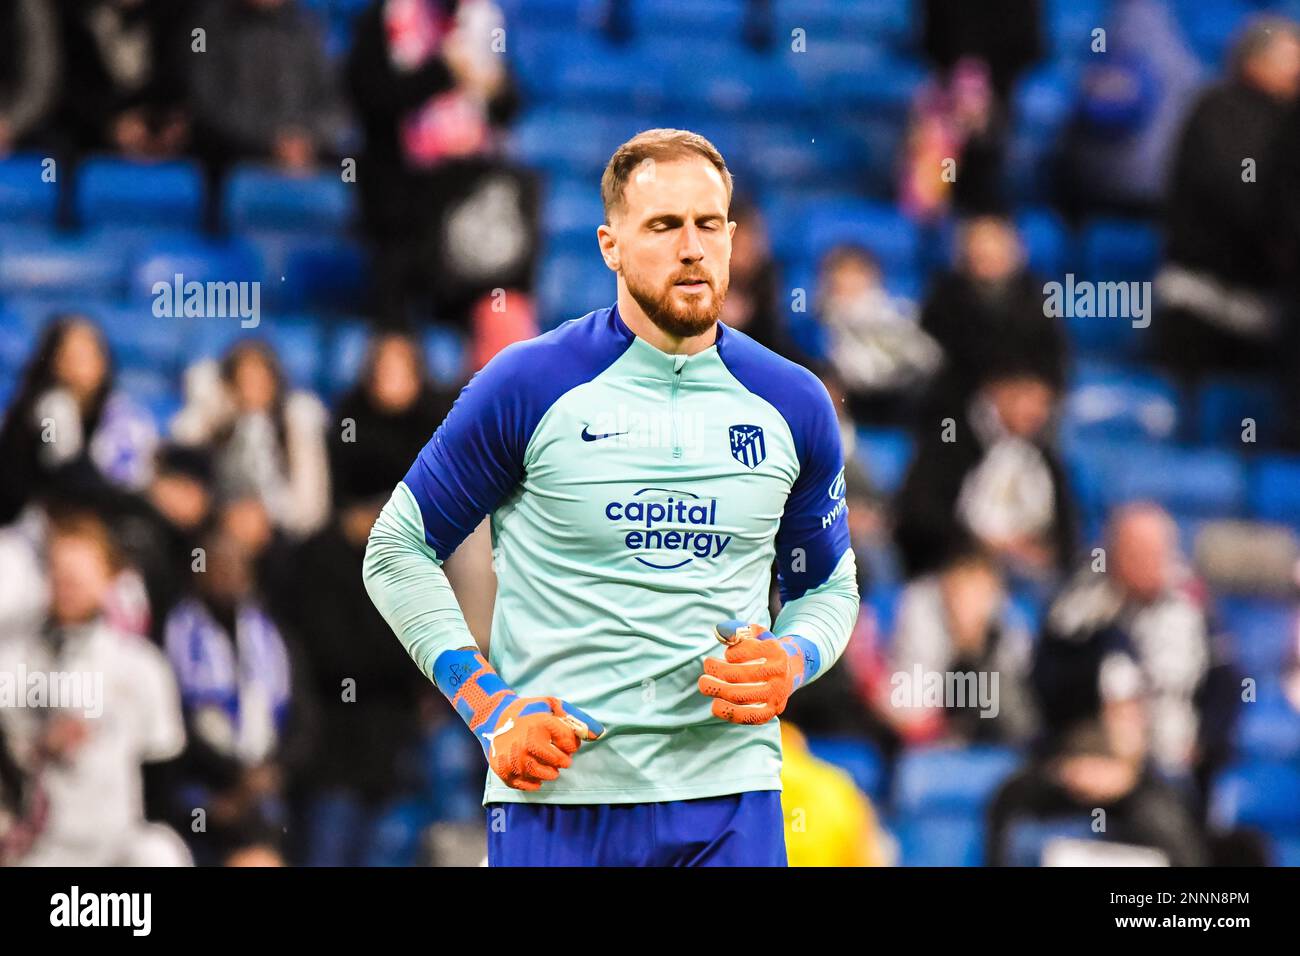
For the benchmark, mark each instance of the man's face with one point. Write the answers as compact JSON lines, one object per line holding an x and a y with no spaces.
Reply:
{"x":991,"y":250}
{"x":1276,"y":68}
{"x":1024,"y":405}
{"x":80,"y":578}
{"x":671,"y":243}
{"x":1144,"y":547}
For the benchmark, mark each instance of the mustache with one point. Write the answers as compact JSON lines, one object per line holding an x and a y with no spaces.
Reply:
{"x":692,"y":277}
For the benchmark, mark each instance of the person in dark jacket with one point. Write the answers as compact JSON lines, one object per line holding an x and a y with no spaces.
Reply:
{"x":126,"y":76}
{"x":988,"y":317}
{"x":1220,"y":292}
{"x":383,"y":422}
{"x":433,"y":94}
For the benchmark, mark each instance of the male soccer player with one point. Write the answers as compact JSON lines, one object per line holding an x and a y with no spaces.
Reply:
{"x":642,"y":466}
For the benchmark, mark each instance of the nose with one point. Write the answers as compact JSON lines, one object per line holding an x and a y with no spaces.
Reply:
{"x":691,"y":249}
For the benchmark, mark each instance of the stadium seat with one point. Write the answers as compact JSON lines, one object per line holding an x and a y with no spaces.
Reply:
{"x":1210,"y":25}
{"x":859,"y":759}
{"x":25,"y":197}
{"x":1270,"y":726}
{"x":257,"y":198}
{"x":118,"y":191}
{"x":347,"y":344}
{"x":887,"y":20}
{"x":1223,"y":404}
{"x":1120,"y":404}
{"x":1119,"y":250}
{"x":886,"y":452}
{"x":62,"y":267}
{"x":1264,"y":631}
{"x":1027,"y":839}
{"x":1275,"y":490}
{"x":444,"y":352}
{"x":890,"y":236}
{"x":949,"y":840}
{"x":1047,"y":242}
{"x":195,"y":261}
{"x":573,"y":285}
{"x":1192,"y":481}
{"x":940,"y":780}
{"x":1261,"y":794}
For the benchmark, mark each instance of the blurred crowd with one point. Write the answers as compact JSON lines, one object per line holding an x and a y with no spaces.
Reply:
{"x":210,"y":565}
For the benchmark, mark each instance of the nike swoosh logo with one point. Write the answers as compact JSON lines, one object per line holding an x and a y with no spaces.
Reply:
{"x":588,"y":436}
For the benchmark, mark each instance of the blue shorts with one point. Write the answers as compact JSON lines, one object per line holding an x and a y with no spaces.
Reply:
{"x":742,"y":829}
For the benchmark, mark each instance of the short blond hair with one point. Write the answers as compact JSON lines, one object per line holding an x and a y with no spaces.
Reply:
{"x":660,"y":145}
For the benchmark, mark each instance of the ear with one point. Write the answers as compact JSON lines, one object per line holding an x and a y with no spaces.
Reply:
{"x":608,"y":246}
{"x":731,"y":229}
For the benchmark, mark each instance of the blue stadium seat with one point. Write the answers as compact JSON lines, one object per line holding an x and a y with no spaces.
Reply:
{"x":883,"y":603}
{"x":1264,"y":632}
{"x":444,"y":352}
{"x":24,"y":196}
{"x":1270,"y":726}
{"x":663,"y":21}
{"x":263,"y":199}
{"x":1069,"y":25}
{"x":941,"y":780}
{"x":1193,"y":481}
{"x":881,"y":228}
{"x":1260,"y":794}
{"x":568,"y":141}
{"x":949,"y":840}
{"x":63,"y":267}
{"x":859,"y":759}
{"x":1047,"y":242}
{"x":1027,"y":839}
{"x":572,"y":208}
{"x":1275,"y":490}
{"x":1119,"y":250}
{"x":347,"y":351}
{"x":888,"y":20}
{"x":312,"y":273}
{"x":1223,"y":404}
{"x":296,"y":341}
{"x":141,"y":340}
{"x":573,"y":285}
{"x":1118,"y":403}
{"x":1211,"y":25}
{"x":195,"y":261}
{"x":886,"y":452}
{"x":157,"y":194}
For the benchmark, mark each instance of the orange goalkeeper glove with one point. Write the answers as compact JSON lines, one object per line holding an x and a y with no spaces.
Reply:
{"x":527,"y":740}
{"x":759,"y":673}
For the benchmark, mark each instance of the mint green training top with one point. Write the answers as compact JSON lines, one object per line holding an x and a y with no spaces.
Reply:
{"x":637,"y":500}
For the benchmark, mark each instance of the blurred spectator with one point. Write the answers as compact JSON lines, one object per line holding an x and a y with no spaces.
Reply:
{"x":264,"y":89}
{"x":954,"y":146}
{"x":159,"y":529}
{"x":431,"y":86}
{"x":247,"y":723}
{"x":878,"y":351}
{"x":67,"y":432}
{"x":980,"y":50}
{"x":24,"y":807}
{"x":384,"y":421}
{"x":30,"y":66}
{"x":126,"y":75}
{"x":988,"y":316}
{"x":751,"y":304}
{"x":368,"y":696}
{"x":957,"y":621}
{"x":1224,"y":229}
{"x":828,"y":821}
{"x":268,"y":441}
{"x":1119,"y":146}
{"x":1005,"y":35}
{"x":87,"y":756}
{"x":1099,"y":779}
{"x":989,"y":478}
{"x":1141,"y":621}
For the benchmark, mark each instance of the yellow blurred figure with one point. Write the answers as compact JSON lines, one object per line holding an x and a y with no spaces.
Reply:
{"x":828,"y":820}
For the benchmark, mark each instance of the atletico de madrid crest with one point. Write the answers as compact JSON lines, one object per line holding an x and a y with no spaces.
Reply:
{"x":747,"y":445}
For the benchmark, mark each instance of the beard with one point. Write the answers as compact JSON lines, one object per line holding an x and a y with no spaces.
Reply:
{"x":695,"y":317}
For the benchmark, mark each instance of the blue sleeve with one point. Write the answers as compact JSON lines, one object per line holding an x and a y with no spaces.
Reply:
{"x":475,"y":459}
{"x":814,"y":531}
